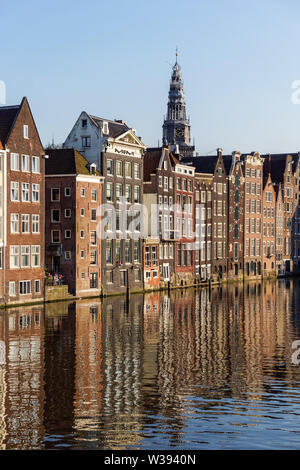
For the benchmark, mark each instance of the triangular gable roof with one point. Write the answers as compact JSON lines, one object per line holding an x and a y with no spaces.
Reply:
{"x":67,"y":162}
{"x":133,"y":137}
{"x":153,"y":159}
{"x":8,"y":115}
{"x":8,"y":118}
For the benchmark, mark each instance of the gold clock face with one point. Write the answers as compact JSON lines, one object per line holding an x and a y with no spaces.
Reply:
{"x":179,"y":132}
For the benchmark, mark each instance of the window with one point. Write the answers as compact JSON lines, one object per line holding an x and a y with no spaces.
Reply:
{"x":136,"y":251}
{"x":109,"y":277}
{"x":35,"y":192}
{"x":94,"y":194}
{"x":67,"y":213}
{"x":55,"y":194}
{"x":35,"y":256}
{"x":55,"y":236}
{"x":110,"y":167}
{"x":25,"y":287}
{"x":67,"y":233}
{"x":14,"y":162}
{"x":94,"y":215}
{"x":86,"y":141}
{"x":67,"y":192}
{"x":160,"y":181}
{"x":25,"y":256}
{"x":138,"y":276}
{"x":82,"y":212}
{"x":123,"y":278}
{"x":12,"y":289}
{"x":136,"y":196}
{"x":14,"y":223}
{"x":93,"y":237}
{"x":118,"y":251}
{"x":25,"y":223}
{"x":166,"y":183}
{"x":35,"y":164}
{"x":93,"y":257}
{"x":127,"y":251}
{"x":93,"y":280}
{"x":25,"y":163}
{"x":25,"y":192}
{"x":119,"y":168}
{"x":14,"y":257}
{"x":109,"y":191}
{"x":25,"y":132}
{"x":128,"y":192}
{"x":136,"y":170}
{"x":37,"y":286}
{"x":35,"y":223}
{"x":82,"y":233}
{"x":82,"y":192}
{"x":83,"y":123}
{"x":119,"y":192}
{"x":108,"y":252}
{"x":67,"y":255}
{"x":14,"y":191}
{"x":55,"y":215}
{"x":82,"y":255}
{"x":128,"y":169}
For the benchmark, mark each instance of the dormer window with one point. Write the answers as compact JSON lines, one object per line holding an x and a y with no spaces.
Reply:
{"x":93,"y":169}
{"x":105,"y":128}
{"x":84,"y":123}
{"x":25,"y":132}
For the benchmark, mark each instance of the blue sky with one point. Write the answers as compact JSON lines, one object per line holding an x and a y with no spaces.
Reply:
{"x":113,"y":59}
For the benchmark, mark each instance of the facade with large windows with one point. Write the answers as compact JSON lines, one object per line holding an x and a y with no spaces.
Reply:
{"x":73,"y":247}
{"x":117,"y":151}
{"x":22,"y":206}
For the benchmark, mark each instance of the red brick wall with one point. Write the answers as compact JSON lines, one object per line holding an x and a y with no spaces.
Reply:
{"x":32,"y":147}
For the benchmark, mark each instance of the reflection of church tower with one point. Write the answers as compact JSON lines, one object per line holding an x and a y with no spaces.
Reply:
{"x":176,"y":126}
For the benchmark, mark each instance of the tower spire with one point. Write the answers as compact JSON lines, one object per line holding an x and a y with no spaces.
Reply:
{"x":176,"y":128}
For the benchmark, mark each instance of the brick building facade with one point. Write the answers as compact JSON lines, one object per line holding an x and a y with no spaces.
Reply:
{"x":22,"y":206}
{"x":73,"y":247}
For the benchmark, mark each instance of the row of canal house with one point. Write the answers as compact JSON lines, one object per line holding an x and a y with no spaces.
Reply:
{"x":73,"y":211}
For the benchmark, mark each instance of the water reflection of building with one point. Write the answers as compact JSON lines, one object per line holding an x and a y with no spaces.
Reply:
{"x":59,"y":375}
{"x":88,"y":373}
{"x":122,"y":353}
{"x":2,"y":383}
{"x":21,"y":378}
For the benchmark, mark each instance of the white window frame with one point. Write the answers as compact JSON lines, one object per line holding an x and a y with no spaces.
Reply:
{"x":25,"y":218}
{"x":12,"y":288}
{"x":14,"y":191}
{"x":28,"y":284}
{"x":25,"y":131}
{"x":14,"y":222}
{"x":25,"y":192}
{"x":36,"y":167}
{"x":14,"y":157}
{"x":35,"y":196}
{"x":35,"y":223}
{"x":35,"y":252}
{"x":15,"y":252}
{"x":25,"y":251}
{"x":25,"y":163}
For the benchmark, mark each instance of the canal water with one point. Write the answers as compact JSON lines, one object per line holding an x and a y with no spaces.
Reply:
{"x":191,"y":370}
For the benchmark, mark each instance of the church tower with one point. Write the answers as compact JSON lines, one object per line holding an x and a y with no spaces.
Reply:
{"x":176,"y":126}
